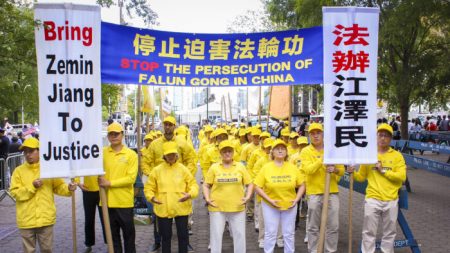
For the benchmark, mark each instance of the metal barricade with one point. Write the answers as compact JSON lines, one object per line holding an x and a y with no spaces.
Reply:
{"x":7,"y":168}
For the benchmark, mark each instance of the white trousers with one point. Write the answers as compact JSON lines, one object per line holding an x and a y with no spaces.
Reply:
{"x":315,"y":203}
{"x":272,"y":218}
{"x":374,"y":211}
{"x":261,"y":225}
{"x":236,"y":221}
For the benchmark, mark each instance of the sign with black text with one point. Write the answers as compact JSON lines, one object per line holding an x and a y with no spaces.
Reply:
{"x":68,"y":58}
{"x":350,"y":44}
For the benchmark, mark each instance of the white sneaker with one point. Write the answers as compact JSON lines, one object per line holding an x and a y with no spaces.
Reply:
{"x":306,"y":239}
{"x":261,"y":245}
{"x":280,"y":243}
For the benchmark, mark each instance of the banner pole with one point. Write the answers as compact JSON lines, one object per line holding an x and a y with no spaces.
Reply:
{"x":259,"y":105}
{"x":74,"y":221}
{"x":268,"y":109}
{"x":229,"y":105}
{"x":290,"y":108}
{"x":139,"y":128}
{"x":104,"y":201}
{"x":324,"y":218}
{"x":248,"y":119}
{"x":350,"y":210}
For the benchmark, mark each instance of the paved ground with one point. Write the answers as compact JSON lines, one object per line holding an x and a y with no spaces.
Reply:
{"x":428,"y":217}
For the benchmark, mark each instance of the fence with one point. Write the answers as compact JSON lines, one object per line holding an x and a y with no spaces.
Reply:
{"x":7,"y":167}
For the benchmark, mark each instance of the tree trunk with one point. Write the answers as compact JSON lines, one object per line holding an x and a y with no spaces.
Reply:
{"x":404,"y":111}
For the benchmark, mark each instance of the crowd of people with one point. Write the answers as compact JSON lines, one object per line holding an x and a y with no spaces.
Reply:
{"x":246,"y":175}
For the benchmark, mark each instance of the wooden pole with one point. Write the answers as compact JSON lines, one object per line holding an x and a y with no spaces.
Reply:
{"x":74,"y":223}
{"x":268,"y":109}
{"x":259,"y":105}
{"x":290,"y":107}
{"x":104,"y":201}
{"x":229,"y":106}
{"x":139,"y":129}
{"x":323,"y":221}
{"x":225,"y":109}
{"x":248,"y":119}
{"x":161,"y":116}
{"x":350,"y":210}
{"x":147,"y":122}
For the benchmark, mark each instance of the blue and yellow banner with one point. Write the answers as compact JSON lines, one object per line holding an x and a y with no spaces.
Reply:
{"x":141,"y":56}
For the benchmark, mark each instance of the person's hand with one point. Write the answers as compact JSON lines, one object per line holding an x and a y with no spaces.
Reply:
{"x":274,"y":203}
{"x":379,"y":167}
{"x":37,"y":183}
{"x":210,"y":202}
{"x":331,"y":169}
{"x":294,"y":203}
{"x":154,"y":200}
{"x":350,"y":169}
{"x":244,"y":200}
{"x":83,"y":187}
{"x":72,"y":186}
{"x":103,"y":182}
{"x":185,"y":197}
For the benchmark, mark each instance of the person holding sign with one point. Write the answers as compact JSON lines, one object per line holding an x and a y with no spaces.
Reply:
{"x":121,"y":167}
{"x":384,"y":181}
{"x":35,"y":205}
{"x":224,"y":192}
{"x":311,"y":158}
{"x":276,"y":183}
{"x":170,"y":187}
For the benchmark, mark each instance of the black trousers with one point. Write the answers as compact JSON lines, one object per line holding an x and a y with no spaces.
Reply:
{"x":165,"y":230}
{"x":90,"y":203}
{"x":122,"y":219}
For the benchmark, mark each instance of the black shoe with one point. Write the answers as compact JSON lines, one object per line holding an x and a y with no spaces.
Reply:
{"x":88,"y":249}
{"x":155,"y":247}
{"x":190,"y":249}
{"x":257,"y":230}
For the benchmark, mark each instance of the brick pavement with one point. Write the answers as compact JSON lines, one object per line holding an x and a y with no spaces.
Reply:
{"x":429,"y":206}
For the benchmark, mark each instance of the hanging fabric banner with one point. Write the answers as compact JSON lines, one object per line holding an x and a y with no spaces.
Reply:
{"x":150,"y":57}
{"x":350,"y":36}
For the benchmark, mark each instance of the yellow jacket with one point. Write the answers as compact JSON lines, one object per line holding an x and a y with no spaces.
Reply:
{"x":35,"y":207}
{"x":121,"y":169}
{"x":145,"y":164}
{"x":211,"y":156}
{"x":186,"y":153}
{"x":247,"y":151}
{"x":167,"y":184}
{"x":384,"y":187}
{"x":315,"y":171}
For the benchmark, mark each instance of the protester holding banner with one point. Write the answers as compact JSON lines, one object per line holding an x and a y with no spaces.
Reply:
{"x":170,"y":187}
{"x":276,"y":183}
{"x":35,"y":205}
{"x":311,"y":159}
{"x":186,"y":156}
{"x":384,"y":181}
{"x":121,"y":167}
{"x":224,"y":192}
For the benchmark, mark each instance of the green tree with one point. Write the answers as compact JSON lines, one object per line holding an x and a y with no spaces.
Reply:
{"x":133,"y":8}
{"x":413,"y":46}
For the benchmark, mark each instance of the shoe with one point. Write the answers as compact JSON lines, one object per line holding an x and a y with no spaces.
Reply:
{"x":249,"y":218}
{"x":306,"y":239}
{"x":280,"y":244}
{"x":209,"y":247}
{"x":190,"y":232}
{"x":190,"y":249}
{"x":257,"y":230}
{"x":88,"y":249}
{"x":261,"y":245}
{"x":155,"y":247}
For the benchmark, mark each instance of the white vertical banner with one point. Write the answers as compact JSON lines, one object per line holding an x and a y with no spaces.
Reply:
{"x":68,"y":58}
{"x":350,"y":44}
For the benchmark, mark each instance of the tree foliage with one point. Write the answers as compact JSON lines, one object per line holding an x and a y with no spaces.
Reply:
{"x":413,"y":46}
{"x":133,"y":8}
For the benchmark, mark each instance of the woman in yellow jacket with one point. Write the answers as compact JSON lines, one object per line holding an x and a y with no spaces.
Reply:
{"x":170,"y":187}
{"x":276,"y":183}
{"x":35,"y":204}
{"x":224,"y":191}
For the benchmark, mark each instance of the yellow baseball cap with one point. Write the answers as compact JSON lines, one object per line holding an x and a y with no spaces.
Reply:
{"x":158,"y":132}
{"x":258,"y":126}
{"x":181,"y":131}
{"x":285,"y":132}
{"x":385,"y":127}
{"x":264,"y":134}
{"x":30,"y":143}
{"x":208,"y":128}
{"x":148,"y":136}
{"x":268,"y":142}
{"x":302,"y":140}
{"x":170,"y":147}
{"x":293,"y":135}
{"x":315,"y":126}
{"x":218,"y":132}
{"x":256,"y":132}
{"x":170,"y":119}
{"x":226,"y":144}
{"x":242,"y":125}
{"x":242,"y":132}
{"x":278,"y":142}
{"x":227,"y":127}
{"x":115,"y":127}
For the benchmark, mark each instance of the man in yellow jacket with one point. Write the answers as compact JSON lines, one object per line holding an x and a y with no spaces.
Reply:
{"x":384,"y":181}
{"x":121,"y":167}
{"x":312,"y":165}
{"x":35,"y":205}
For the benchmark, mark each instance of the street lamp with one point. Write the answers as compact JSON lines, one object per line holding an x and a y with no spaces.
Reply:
{"x":23,"y":93}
